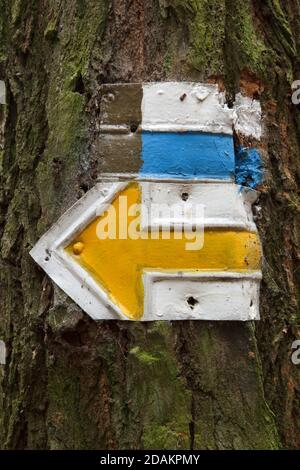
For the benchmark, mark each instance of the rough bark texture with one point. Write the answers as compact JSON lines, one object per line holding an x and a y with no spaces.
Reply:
{"x":72,"y":383}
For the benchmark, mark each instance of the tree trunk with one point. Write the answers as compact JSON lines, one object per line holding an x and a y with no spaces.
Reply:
{"x":70,"y":382}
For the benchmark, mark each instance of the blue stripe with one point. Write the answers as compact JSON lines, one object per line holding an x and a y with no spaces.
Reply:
{"x":249,"y":170}
{"x":195,"y":155}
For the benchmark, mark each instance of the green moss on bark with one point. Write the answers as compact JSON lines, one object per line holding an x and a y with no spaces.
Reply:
{"x":216,"y":27}
{"x":244,"y":39}
{"x":67,"y":121}
{"x":158,"y":391}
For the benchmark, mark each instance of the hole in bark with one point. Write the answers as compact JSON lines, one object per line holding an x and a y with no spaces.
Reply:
{"x":72,"y":338}
{"x":184,"y":196}
{"x":251,"y":303}
{"x":79,"y":85}
{"x":183,"y":97}
{"x":192,"y":302}
{"x":84,"y":187}
{"x":57,"y":165}
{"x":133,"y":127}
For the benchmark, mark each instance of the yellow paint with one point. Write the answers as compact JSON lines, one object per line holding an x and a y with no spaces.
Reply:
{"x":118,"y":264}
{"x":78,"y":248}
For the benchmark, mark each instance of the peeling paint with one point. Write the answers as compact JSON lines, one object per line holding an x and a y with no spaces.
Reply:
{"x":248,"y":116}
{"x":249,"y":170}
{"x":180,"y":129}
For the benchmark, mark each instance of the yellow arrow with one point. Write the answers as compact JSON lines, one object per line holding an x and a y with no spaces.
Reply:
{"x":117,"y":264}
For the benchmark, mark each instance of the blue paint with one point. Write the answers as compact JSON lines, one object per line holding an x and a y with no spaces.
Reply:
{"x":195,"y":155}
{"x":248,"y":171}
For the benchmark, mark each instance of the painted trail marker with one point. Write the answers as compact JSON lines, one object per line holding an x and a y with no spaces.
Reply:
{"x":172,"y":237}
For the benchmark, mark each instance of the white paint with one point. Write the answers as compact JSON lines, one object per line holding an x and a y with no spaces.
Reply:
{"x":49,"y":253}
{"x":115,"y":129}
{"x":248,"y":116}
{"x":185,"y":106}
{"x":217,"y":296}
{"x":2,"y":92}
{"x":2,"y":353}
{"x":226,"y":205}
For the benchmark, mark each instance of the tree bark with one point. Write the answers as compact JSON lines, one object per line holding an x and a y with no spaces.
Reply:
{"x":70,"y":382}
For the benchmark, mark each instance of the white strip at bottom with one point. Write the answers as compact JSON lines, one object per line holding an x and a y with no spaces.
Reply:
{"x":201,"y":296}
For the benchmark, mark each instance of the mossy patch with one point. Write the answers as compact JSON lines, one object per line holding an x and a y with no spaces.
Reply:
{"x":164,"y":438}
{"x":67,"y":121}
{"x":143,"y":356}
{"x":205,"y":20}
{"x":222,"y":36}
{"x":158,"y":391}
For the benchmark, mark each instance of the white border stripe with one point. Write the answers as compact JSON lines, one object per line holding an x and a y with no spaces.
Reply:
{"x":198,"y":107}
{"x":217,"y":296}
{"x":185,"y":106}
{"x":225,"y":205}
